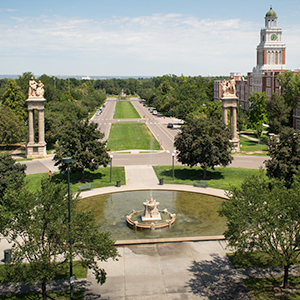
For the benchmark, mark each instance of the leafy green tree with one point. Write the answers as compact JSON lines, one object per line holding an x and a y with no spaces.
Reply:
{"x":285,"y":155}
{"x":82,"y":142}
{"x":257,"y":113}
{"x":37,"y":224}
{"x":205,"y":142}
{"x":278,"y":113}
{"x":14,"y":99}
{"x":12,"y":174}
{"x":291,"y":88}
{"x":264,"y":216}
{"x":12,"y":128}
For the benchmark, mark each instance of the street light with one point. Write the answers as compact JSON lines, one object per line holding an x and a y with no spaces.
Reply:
{"x":68,"y":160}
{"x":173,"y":155}
{"x":111,"y":157}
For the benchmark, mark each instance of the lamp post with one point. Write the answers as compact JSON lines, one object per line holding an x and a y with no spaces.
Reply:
{"x":173,"y":155}
{"x":111,"y":157}
{"x":68,"y":160}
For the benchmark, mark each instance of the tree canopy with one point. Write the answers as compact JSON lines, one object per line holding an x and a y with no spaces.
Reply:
{"x":263,"y":215}
{"x":12,"y":127}
{"x":38,"y":226}
{"x":278,"y":113}
{"x":204,"y":141}
{"x":12,"y":174}
{"x":82,"y":142}
{"x":285,"y":155}
{"x":14,"y":99}
{"x":291,"y":88}
{"x":257,"y":113}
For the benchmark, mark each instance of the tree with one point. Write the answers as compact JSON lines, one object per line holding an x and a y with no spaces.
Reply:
{"x":264,"y":216}
{"x":291,"y":88}
{"x":205,"y":142}
{"x":285,"y":156}
{"x":37,"y":225}
{"x":81,"y":141}
{"x":278,"y":113}
{"x":12,"y":128}
{"x":14,"y":99}
{"x":257,"y":114}
{"x":12,"y":174}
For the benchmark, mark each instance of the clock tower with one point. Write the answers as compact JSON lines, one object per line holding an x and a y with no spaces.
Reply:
{"x":271,"y":50}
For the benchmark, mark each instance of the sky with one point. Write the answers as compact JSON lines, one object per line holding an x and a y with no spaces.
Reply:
{"x":140,"y":37}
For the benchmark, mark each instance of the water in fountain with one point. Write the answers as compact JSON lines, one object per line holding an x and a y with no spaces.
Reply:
{"x":196,"y":214}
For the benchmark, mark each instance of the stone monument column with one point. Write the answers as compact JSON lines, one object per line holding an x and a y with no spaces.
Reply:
{"x":224,"y":115}
{"x":230,"y":100}
{"x":41,"y":127}
{"x":36,"y":101}
{"x":30,"y":127}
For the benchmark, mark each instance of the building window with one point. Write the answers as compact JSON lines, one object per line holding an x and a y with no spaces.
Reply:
{"x":268,"y":81}
{"x":298,"y":111}
{"x":268,"y":92}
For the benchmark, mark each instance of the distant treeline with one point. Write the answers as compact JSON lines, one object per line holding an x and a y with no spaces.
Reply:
{"x":71,"y":99}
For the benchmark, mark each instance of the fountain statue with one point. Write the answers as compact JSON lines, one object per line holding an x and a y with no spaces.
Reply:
{"x":151,"y":212}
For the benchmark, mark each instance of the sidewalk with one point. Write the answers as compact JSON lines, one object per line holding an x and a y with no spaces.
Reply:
{"x":161,"y":271}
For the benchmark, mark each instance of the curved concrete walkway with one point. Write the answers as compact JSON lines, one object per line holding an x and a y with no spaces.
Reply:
{"x":162,"y":269}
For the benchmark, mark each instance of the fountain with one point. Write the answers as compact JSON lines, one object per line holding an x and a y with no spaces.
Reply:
{"x":151,"y":213}
{"x":196,"y":214}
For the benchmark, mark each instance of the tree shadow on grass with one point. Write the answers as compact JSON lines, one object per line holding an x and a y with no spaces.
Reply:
{"x":75,"y":177}
{"x":193,"y":174}
{"x":215,"y":280}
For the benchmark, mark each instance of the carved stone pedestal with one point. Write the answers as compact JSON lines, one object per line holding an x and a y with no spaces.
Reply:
{"x":35,"y":150}
{"x":230,"y":102}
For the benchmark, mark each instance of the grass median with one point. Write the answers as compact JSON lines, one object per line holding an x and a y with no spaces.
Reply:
{"x":125,"y":110}
{"x":97,"y":179}
{"x":220,"y":178}
{"x":131,"y":135}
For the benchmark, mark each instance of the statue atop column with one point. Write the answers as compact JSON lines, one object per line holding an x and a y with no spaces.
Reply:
{"x":35,"y":103}
{"x":228,"y":88}
{"x":35,"y":90}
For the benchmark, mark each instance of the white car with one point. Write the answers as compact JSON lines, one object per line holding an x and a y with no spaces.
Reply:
{"x":154,"y":112}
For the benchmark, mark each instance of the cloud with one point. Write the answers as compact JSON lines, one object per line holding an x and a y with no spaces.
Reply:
{"x":8,"y":9}
{"x":158,"y":38}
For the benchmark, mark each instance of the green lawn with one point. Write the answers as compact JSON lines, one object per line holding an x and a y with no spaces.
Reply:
{"x":78,"y":271}
{"x":221,"y":178}
{"x":262,"y":288}
{"x":256,"y":259}
{"x":98,"y":178}
{"x":125,"y":110}
{"x":131,"y":135}
{"x":247,"y":145}
{"x":267,"y":288}
{"x":78,"y":295}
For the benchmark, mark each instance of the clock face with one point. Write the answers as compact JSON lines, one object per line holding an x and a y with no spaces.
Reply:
{"x":273,"y":37}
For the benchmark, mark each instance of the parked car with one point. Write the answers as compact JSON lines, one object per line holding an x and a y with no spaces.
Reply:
{"x":154,"y":112}
{"x":170,"y":125}
{"x":151,"y":110}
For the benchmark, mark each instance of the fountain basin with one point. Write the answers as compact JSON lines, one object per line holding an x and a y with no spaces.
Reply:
{"x":196,"y":213}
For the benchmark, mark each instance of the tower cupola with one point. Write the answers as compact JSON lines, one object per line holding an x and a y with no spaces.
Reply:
{"x":271,"y":19}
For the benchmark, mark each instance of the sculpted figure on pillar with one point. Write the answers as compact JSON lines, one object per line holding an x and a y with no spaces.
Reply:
{"x":35,"y":89}
{"x":40,"y":89}
{"x":228,"y":88}
{"x":32,"y":87}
